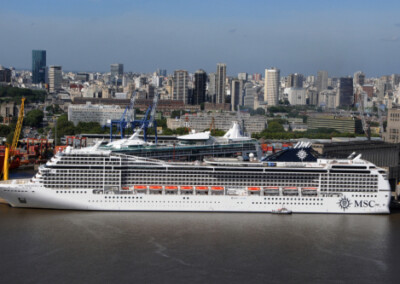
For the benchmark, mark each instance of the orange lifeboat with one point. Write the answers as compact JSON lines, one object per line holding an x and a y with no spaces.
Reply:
{"x":254,"y":188}
{"x":155,"y":187}
{"x":186,"y":187}
{"x":201,"y":187}
{"x":125,"y":188}
{"x":272,"y":187}
{"x":290,"y":188}
{"x":140,"y":187}
{"x":310,"y":188}
{"x":217,"y":188}
{"x":171,"y":187}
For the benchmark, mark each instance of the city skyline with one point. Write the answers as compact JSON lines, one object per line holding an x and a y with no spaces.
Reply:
{"x":341,"y":37}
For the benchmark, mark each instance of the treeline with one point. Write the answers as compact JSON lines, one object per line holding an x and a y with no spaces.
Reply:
{"x":14,"y":94}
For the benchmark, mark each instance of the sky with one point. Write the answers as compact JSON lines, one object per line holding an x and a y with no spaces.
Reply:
{"x":340,"y":36}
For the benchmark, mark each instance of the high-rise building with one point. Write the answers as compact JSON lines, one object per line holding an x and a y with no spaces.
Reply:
{"x":344,"y":95}
{"x":212,"y":87}
{"x":257,"y":77}
{"x":181,"y":86}
{"x":242,"y":76}
{"x":359,"y":78}
{"x":199,"y":91}
{"x":38,"y":66}
{"x":117,"y":70}
{"x":295,"y":81}
{"x":55,"y":78}
{"x":322,"y":80}
{"x":81,"y":76}
{"x":221,"y":83}
{"x":161,"y":72}
{"x":5,"y":75}
{"x":271,"y":88}
{"x":236,"y":94}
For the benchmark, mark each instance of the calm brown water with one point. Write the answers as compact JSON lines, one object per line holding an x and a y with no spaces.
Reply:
{"x":52,"y":246}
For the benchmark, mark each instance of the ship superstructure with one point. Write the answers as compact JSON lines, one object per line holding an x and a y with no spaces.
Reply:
{"x":95,"y":179}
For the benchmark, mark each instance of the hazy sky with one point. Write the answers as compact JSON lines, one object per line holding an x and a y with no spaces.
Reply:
{"x":340,"y":36}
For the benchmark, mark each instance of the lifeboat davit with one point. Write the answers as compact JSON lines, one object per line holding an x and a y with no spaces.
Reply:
{"x":202,"y":188}
{"x":217,"y":188}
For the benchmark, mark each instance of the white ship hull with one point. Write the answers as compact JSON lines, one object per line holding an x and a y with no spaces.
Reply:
{"x":30,"y":195}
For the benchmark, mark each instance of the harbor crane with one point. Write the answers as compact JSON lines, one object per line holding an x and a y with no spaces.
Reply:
{"x":125,"y":120}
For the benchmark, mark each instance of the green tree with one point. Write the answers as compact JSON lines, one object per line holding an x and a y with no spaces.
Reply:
{"x":175,"y":113}
{"x":34,"y":118}
{"x":5,"y":130}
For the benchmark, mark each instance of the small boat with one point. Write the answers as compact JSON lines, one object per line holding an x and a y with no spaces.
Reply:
{"x":125,"y":188}
{"x":202,"y":188}
{"x":282,"y":210}
{"x":171,"y":187}
{"x":155,"y":187}
{"x":217,"y":188}
{"x":254,"y":188}
{"x":186,"y":187}
{"x":140,"y":187}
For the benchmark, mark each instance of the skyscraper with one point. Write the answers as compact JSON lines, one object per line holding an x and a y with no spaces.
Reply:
{"x":117,"y":70}
{"x":359,"y":78}
{"x":38,"y":66}
{"x":55,"y":78}
{"x":271,"y":88}
{"x":237,"y":94}
{"x":200,"y":83}
{"x":345,"y":94}
{"x":221,"y":83}
{"x":295,"y":81}
{"x":212,"y":87}
{"x":322,"y":80}
{"x":181,"y":85}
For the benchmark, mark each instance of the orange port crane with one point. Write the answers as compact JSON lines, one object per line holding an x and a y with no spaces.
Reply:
{"x":10,"y":151}
{"x":18,"y":128}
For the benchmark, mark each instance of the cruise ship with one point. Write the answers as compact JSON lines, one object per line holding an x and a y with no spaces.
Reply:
{"x":96,"y":179}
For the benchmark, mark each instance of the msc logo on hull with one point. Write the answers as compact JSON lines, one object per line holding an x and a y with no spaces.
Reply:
{"x":345,"y":203}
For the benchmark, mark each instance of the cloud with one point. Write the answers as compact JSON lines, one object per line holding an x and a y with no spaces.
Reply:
{"x":397,"y":25}
{"x":232,"y":31}
{"x":391,"y":39}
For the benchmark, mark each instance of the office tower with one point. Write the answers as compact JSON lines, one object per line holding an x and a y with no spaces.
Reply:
{"x":5,"y":75}
{"x":181,"y":85}
{"x":55,"y":78}
{"x":295,"y":81}
{"x":257,"y":77}
{"x":212,"y":87}
{"x":271,"y":88}
{"x":359,"y":78}
{"x":117,"y":70}
{"x":38,"y":66}
{"x":322,"y":80}
{"x":242,"y":76}
{"x":80,"y":76}
{"x":221,"y":83}
{"x":161,"y":72}
{"x":200,"y":83}
{"x":236,"y":94}
{"x":344,"y":95}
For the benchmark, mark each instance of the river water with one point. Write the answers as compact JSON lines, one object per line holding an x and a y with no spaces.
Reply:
{"x":57,"y":246}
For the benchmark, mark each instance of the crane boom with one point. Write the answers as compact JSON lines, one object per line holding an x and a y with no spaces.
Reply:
{"x":18,"y":127}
